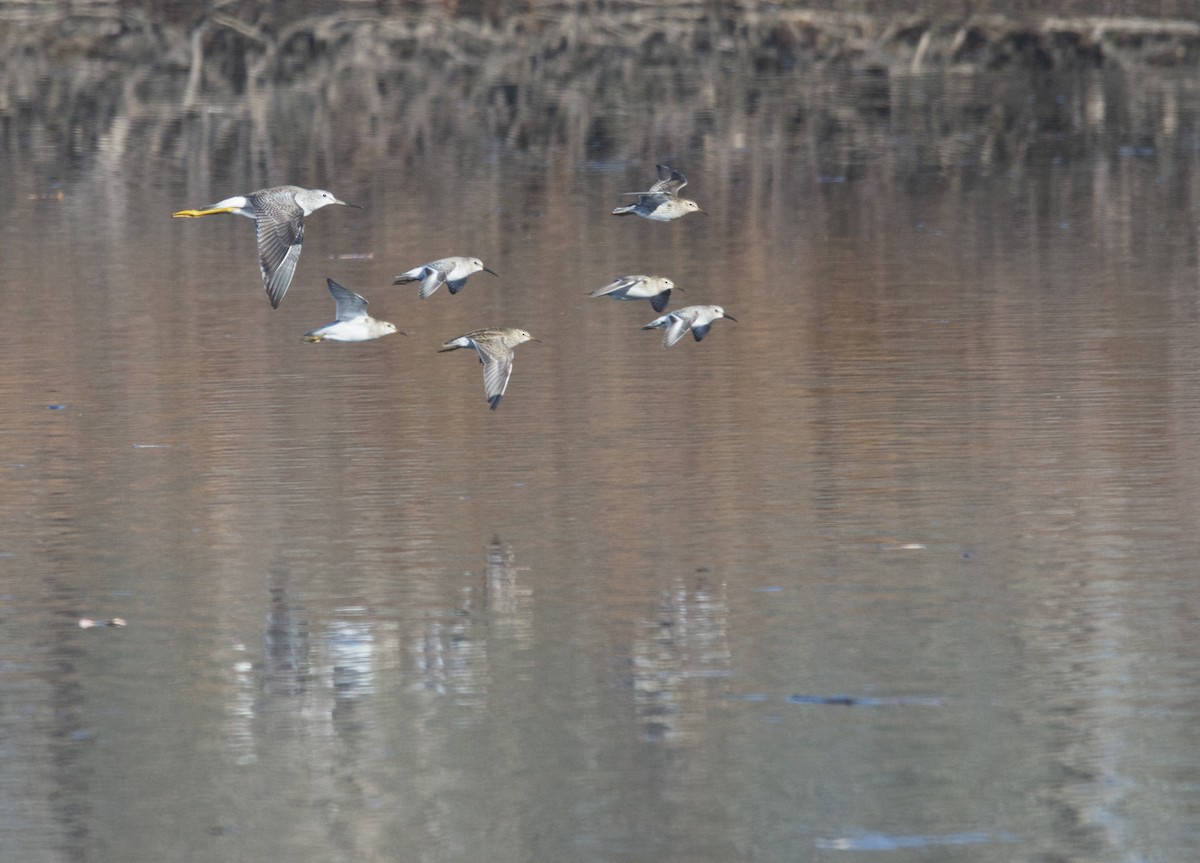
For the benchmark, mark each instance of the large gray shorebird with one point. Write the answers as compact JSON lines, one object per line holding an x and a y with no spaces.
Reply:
{"x":495,"y":349}
{"x":278,"y":215}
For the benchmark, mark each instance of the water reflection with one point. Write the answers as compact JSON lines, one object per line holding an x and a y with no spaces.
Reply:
{"x":313,"y":682}
{"x":683,"y":647}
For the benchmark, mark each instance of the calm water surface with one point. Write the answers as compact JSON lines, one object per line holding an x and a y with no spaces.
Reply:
{"x":901,"y":566}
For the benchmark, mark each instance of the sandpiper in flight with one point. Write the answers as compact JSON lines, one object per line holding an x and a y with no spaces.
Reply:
{"x":452,"y":272}
{"x":698,"y":319}
{"x":661,"y":203}
{"x":353,"y":324}
{"x":495,"y":349}
{"x":656,"y":289}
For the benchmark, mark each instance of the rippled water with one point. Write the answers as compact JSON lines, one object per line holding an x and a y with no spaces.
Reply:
{"x":900,"y":565}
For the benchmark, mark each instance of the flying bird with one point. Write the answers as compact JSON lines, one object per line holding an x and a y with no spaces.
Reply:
{"x":452,"y":272}
{"x":656,"y":289}
{"x":698,"y":319}
{"x":353,"y":324}
{"x":278,"y":215}
{"x":661,"y":202}
{"x":495,"y":349}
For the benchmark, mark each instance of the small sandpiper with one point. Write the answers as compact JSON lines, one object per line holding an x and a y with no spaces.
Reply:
{"x":495,"y":349}
{"x":353,"y":324}
{"x":452,"y":272}
{"x":656,"y":289}
{"x":698,"y":319}
{"x":278,"y":215}
{"x":661,"y":203}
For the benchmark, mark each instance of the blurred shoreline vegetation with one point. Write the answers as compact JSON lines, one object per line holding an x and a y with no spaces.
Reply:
{"x":402,"y":78}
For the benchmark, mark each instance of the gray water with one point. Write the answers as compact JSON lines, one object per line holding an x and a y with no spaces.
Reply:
{"x":900,"y":566}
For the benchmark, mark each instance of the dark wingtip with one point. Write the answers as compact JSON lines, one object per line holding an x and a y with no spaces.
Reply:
{"x":494,"y":401}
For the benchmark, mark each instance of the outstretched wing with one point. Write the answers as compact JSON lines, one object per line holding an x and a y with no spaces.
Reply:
{"x":659,"y":301}
{"x":676,"y":327}
{"x":435,"y":277}
{"x":279,"y":228}
{"x":669,"y":182}
{"x":497,"y":369}
{"x":349,"y":304}
{"x":620,"y":283}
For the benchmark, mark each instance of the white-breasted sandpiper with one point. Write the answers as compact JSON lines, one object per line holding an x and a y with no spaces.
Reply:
{"x":353,"y":324}
{"x":452,"y":272}
{"x":661,"y":202}
{"x":656,"y":289}
{"x":698,"y":319}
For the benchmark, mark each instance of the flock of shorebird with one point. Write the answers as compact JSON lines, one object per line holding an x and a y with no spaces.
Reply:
{"x":279,"y":214}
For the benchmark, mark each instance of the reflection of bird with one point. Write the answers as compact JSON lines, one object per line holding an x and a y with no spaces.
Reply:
{"x":278,"y":215}
{"x":698,"y":319}
{"x":656,"y":289}
{"x":661,"y":203}
{"x":495,"y":349}
{"x":451,"y":272}
{"x":353,"y":324}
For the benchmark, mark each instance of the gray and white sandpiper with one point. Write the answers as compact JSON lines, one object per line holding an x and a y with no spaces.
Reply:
{"x":452,"y":272}
{"x":353,"y":324}
{"x":698,"y":319}
{"x":661,"y":202}
{"x":656,"y":289}
{"x":278,"y":215}
{"x":495,"y":349}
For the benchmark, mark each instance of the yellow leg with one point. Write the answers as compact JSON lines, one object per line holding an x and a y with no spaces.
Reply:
{"x":191,"y":214}
{"x":313,"y":339}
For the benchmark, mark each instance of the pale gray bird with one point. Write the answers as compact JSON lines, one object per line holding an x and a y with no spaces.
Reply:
{"x":661,"y":202}
{"x":278,"y":215}
{"x":495,"y":349}
{"x":452,"y":272}
{"x":353,"y":324}
{"x":698,"y":319}
{"x":656,"y":289}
